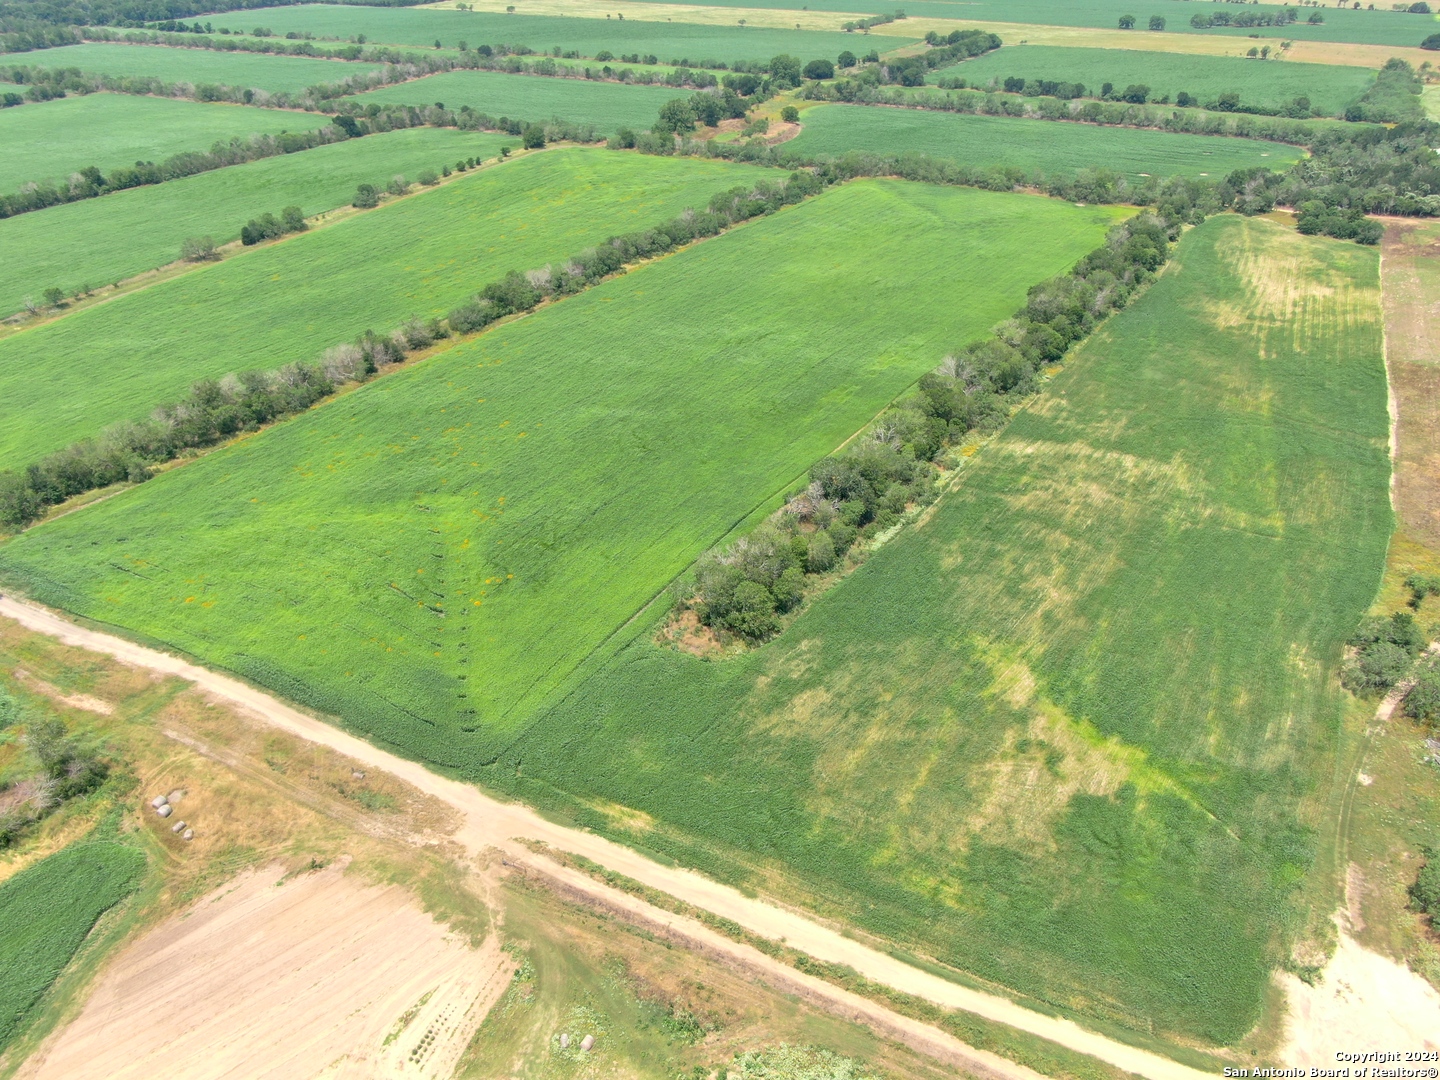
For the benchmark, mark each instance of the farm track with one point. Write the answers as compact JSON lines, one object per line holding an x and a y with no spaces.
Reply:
{"x":490,"y":823}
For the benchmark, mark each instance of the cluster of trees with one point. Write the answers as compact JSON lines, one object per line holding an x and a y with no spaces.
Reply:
{"x":864,"y":25}
{"x":1135,"y":94}
{"x":1394,"y":98}
{"x":63,"y":770}
{"x":269,"y":227}
{"x":858,"y":494}
{"x":1317,"y":219}
{"x":214,"y":410}
{"x":1220,"y":17}
{"x":89,"y":182}
{"x":1385,"y":648}
{"x":132,"y":12}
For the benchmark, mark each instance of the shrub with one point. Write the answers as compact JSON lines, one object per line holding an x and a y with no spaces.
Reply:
{"x":198,"y":249}
{"x":1432,"y":43}
{"x":1423,"y":701}
{"x":398,"y":185}
{"x":1157,"y":22}
{"x":1385,"y":648}
{"x":1425,"y":893}
{"x":532,"y":137}
{"x":790,"y":114}
{"x":819,"y":69}
{"x":366,"y":197}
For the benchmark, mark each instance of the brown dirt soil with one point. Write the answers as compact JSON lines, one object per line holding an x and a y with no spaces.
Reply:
{"x":1410,"y":270}
{"x":272,"y":978}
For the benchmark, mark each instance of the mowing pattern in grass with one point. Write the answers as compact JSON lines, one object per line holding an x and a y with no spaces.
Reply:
{"x":668,"y":41}
{"x":1269,"y":83}
{"x":49,"y":141}
{"x":1379,"y":27}
{"x":45,"y":912}
{"x":1051,"y":147}
{"x":1057,"y":735}
{"x":277,"y":74}
{"x":68,"y":379}
{"x":99,"y":241}
{"x":607,"y":105}
{"x":427,"y":556}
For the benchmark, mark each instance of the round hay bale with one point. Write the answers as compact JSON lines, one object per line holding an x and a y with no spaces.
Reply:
{"x":189,"y":835}
{"x":165,"y":810}
{"x":176,"y":795}
{"x":587,"y":1043}
{"x":177,"y":826}
{"x":158,"y":801}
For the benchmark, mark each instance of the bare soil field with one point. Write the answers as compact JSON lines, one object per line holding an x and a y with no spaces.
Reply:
{"x":320,"y":974}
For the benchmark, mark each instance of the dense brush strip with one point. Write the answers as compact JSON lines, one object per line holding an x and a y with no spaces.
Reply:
{"x":852,"y":497}
{"x":216,"y":410}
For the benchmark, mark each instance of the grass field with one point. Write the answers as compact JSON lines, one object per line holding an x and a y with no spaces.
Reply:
{"x":607,"y":105}
{"x":50,"y":141}
{"x":668,"y":41}
{"x":1379,"y":27}
{"x":469,"y":530}
{"x":70,"y":378}
{"x":99,"y":241}
{"x":1051,"y":147}
{"x":1058,"y":735}
{"x":1271,"y":83}
{"x":277,"y":74}
{"x":47,"y":910}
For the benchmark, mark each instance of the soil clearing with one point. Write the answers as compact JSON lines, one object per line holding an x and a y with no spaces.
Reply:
{"x":320,"y":975}
{"x":489,"y":823}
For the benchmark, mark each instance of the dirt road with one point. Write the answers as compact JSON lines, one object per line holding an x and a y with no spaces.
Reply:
{"x":490,"y":823}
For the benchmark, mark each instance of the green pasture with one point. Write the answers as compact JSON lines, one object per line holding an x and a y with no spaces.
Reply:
{"x":262,"y":71}
{"x":1379,"y":27}
{"x":1258,"y":82}
{"x":46,"y":911}
{"x":1058,"y":735}
{"x":695,"y":42}
{"x":287,"y":301}
{"x":430,"y":554}
{"x":52,"y":139}
{"x":1049,"y":147}
{"x":100,"y":241}
{"x":607,"y":105}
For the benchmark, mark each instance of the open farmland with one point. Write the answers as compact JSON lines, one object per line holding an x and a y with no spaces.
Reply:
{"x":1049,"y":147}
{"x":51,"y":140}
{"x":607,"y":105}
{"x":421,"y":255}
{"x":46,"y":911}
{"x":1269,"y":83}
{"x":667,"y":40}
{"x":430,"y":554}
{"x":96,"y":242}
{"x":1058,"y":735}
{"x":260,"y":71}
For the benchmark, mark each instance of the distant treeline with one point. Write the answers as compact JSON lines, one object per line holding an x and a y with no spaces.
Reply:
{"x":854,"y":496}
{"x":216,"y":410}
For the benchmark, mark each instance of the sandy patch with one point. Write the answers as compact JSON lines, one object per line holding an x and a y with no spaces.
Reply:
{"x":54,"y":693}
{"x":1363,"y":1002}
{"x":320,"y":975}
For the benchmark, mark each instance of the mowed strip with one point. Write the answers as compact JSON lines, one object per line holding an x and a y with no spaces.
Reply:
{"x":427,"y":556}
{"x":536,"y":98}
{"x":97,"y":242}
{"x":1059,"y":735}
{"x":288,"y":301}
{"x":48,"y":141}
{"x":1052,"y":148}
{"x":260,"y":71}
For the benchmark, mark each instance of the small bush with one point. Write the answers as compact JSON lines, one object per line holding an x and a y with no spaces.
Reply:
{"x":428,"y":177}
{"x":366,"y":197}
{"x":398,"y":185}
{"x":198,"y":249}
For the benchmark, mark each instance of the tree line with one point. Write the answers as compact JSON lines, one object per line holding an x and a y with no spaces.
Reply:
{"x":219,"y":409}
{"x":1298,"y":108}
{"x":853,"y":497}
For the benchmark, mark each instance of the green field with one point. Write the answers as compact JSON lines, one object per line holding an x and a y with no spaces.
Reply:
{"x":99,"y":241}
{"x":1051,"y":147}
{"x":70,"y":378}
{"x":1270,"y":83}
{"x":277,"y":74}
{"x":1056,"y":736}
{"x":668,"y":41}
{"x":607,"y":105}
{"x":1379,"y":27}
{"x":430,"y":554}
{"x":46,"y":911}
{"x":49,"y":141}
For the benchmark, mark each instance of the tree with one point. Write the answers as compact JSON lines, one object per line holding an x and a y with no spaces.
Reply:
{"x":1157,"y":22}
{"x":819,"y":69}
{"x":532,"y":137}
{"x":847,"y":58}
{"x":676,"y":115}
{"x":398,"y":185}
{"x":198,"y":249}
{"x":785,"y":70}
{"x":54,"y":296}
{"x":1315,"y":18}
{"x":1423,"y":701}
{"x":1136,"y":94}
{"x":752,"y":613}
{"x":1432,"y":43}
{"x":1419,"y":8}
{"x":790,"y":114}
{"x":428,"y":177}
{"x":366,"y":197}
{"x":347,"y":124}
{"x":293,"y":218}
{"x":1127,"y":22}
